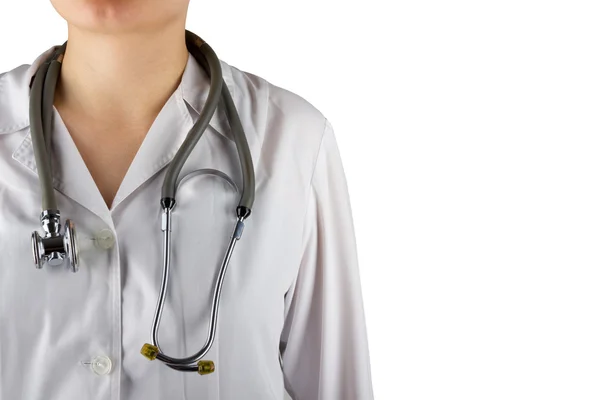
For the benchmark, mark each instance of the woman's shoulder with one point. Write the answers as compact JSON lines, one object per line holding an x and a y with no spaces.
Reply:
{"x":14,"y":94}
{"x":14,"y":85}
{"x":279,"y":113}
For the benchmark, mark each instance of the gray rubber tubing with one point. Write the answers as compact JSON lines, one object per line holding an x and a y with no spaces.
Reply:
{"x":47,"y":105}
{"x":38,"y":141}
{"x":194,"y":45}
{"x":41,"y":101}
{"x":248,"y":188}
{"x":207,"y":58}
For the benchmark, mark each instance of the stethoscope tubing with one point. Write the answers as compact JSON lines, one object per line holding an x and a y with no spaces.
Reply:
{"x":43,"y":86}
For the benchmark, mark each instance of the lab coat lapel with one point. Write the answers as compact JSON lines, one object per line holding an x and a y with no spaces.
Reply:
{"x":158,"y":148}
{"x":70,"y":174}
{"x":220,"y":137}
{"x":173,"y":124}
{"x":72,"y":178}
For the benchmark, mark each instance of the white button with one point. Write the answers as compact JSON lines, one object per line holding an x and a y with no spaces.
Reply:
{"x":101,"y":365}
{"x":105,"y":239}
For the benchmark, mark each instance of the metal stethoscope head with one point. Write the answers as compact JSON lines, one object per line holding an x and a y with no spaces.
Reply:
{"x":55,"y":247}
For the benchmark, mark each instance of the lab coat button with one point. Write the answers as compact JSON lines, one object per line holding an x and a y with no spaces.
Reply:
{"x":105,"y":239}
{"x":101,"y":365}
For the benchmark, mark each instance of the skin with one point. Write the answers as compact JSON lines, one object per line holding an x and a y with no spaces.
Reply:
{"x":115,"y":48}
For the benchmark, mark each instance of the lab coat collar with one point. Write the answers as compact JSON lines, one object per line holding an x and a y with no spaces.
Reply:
{"x":195,"y":86}
{"x":14,"y":94}
{"x":71,"y":176}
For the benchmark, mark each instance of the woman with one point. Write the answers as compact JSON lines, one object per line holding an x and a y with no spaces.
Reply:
{"x":290,"y":317}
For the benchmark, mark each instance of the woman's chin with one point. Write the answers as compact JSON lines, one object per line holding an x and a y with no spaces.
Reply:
{"x":119,"y":16}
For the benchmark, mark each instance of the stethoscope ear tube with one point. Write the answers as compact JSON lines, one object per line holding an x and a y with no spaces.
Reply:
{"x":206,"y":57}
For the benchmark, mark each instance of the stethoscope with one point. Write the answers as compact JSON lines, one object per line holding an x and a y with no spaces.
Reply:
{"x":55,"y":248}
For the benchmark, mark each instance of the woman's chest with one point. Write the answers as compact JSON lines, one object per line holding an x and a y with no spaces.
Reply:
{"x":106,"y":309}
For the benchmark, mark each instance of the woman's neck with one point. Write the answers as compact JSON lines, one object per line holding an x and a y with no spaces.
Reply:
{"x":121,"y":78}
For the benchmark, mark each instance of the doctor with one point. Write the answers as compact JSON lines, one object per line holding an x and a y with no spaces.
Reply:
{"x":291,"y":321}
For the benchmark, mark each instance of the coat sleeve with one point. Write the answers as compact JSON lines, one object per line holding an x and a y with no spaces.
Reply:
{"x":324,"y":348}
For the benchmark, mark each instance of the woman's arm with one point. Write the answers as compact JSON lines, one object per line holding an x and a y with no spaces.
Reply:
{"x":324,"y":342}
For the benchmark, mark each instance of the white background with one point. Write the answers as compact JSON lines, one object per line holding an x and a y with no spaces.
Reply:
{"x":469,"y":132}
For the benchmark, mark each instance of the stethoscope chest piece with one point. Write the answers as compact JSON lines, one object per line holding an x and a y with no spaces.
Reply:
{"x":55,"y":247}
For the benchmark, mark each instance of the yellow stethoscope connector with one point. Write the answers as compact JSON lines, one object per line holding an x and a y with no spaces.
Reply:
{"x":206,"y":367}
{"x":149,"y":351}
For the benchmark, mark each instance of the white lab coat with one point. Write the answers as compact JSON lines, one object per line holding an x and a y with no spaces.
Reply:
{"x":292,"y":285}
